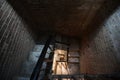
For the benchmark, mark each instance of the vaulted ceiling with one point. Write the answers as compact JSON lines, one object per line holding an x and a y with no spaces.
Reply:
{"x":68,"y":17}
{"x":64,"y":16}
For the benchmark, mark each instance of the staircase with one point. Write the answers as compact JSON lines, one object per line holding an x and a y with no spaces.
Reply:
{"x":66,"y":59}
{"x":29,"y":64}
{"x":65,"y":63}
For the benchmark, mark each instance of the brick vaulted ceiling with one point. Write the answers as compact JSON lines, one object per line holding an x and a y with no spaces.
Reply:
{"x":68,"y":17}
{"x":65,"y":16}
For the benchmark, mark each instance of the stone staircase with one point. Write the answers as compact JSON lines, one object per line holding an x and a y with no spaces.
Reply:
{"x":29,"y":64}
{"x":67,"y":60}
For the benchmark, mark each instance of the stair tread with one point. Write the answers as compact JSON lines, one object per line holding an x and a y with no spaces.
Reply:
{"x":21,"y":78}
{"x":73,"y":57}
{"x":60,"y":42}
{"x":73,"y":62}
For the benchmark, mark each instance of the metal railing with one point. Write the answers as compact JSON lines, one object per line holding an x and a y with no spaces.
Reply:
{"x":37,"y":69}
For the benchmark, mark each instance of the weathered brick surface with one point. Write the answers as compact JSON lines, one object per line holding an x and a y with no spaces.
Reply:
{"x":101,"y":54}
{"x":16,"y":41}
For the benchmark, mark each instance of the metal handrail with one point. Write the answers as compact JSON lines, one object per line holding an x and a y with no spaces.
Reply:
{"x":36,"y":71}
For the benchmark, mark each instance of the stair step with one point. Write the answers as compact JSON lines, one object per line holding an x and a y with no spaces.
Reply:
{"x":73,"y":57}
{"x":38,"y":48}
{"x":61,"y":61}
{"x":74,"y":50}
{"x":21,"y":78}
{"x":73,"y":54}
{"x":74,"y":62}
{"x":62,"y":43}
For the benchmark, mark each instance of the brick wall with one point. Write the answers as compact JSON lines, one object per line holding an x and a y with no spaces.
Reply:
{"x":16,"y":41}
{"x":101,"y":53}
